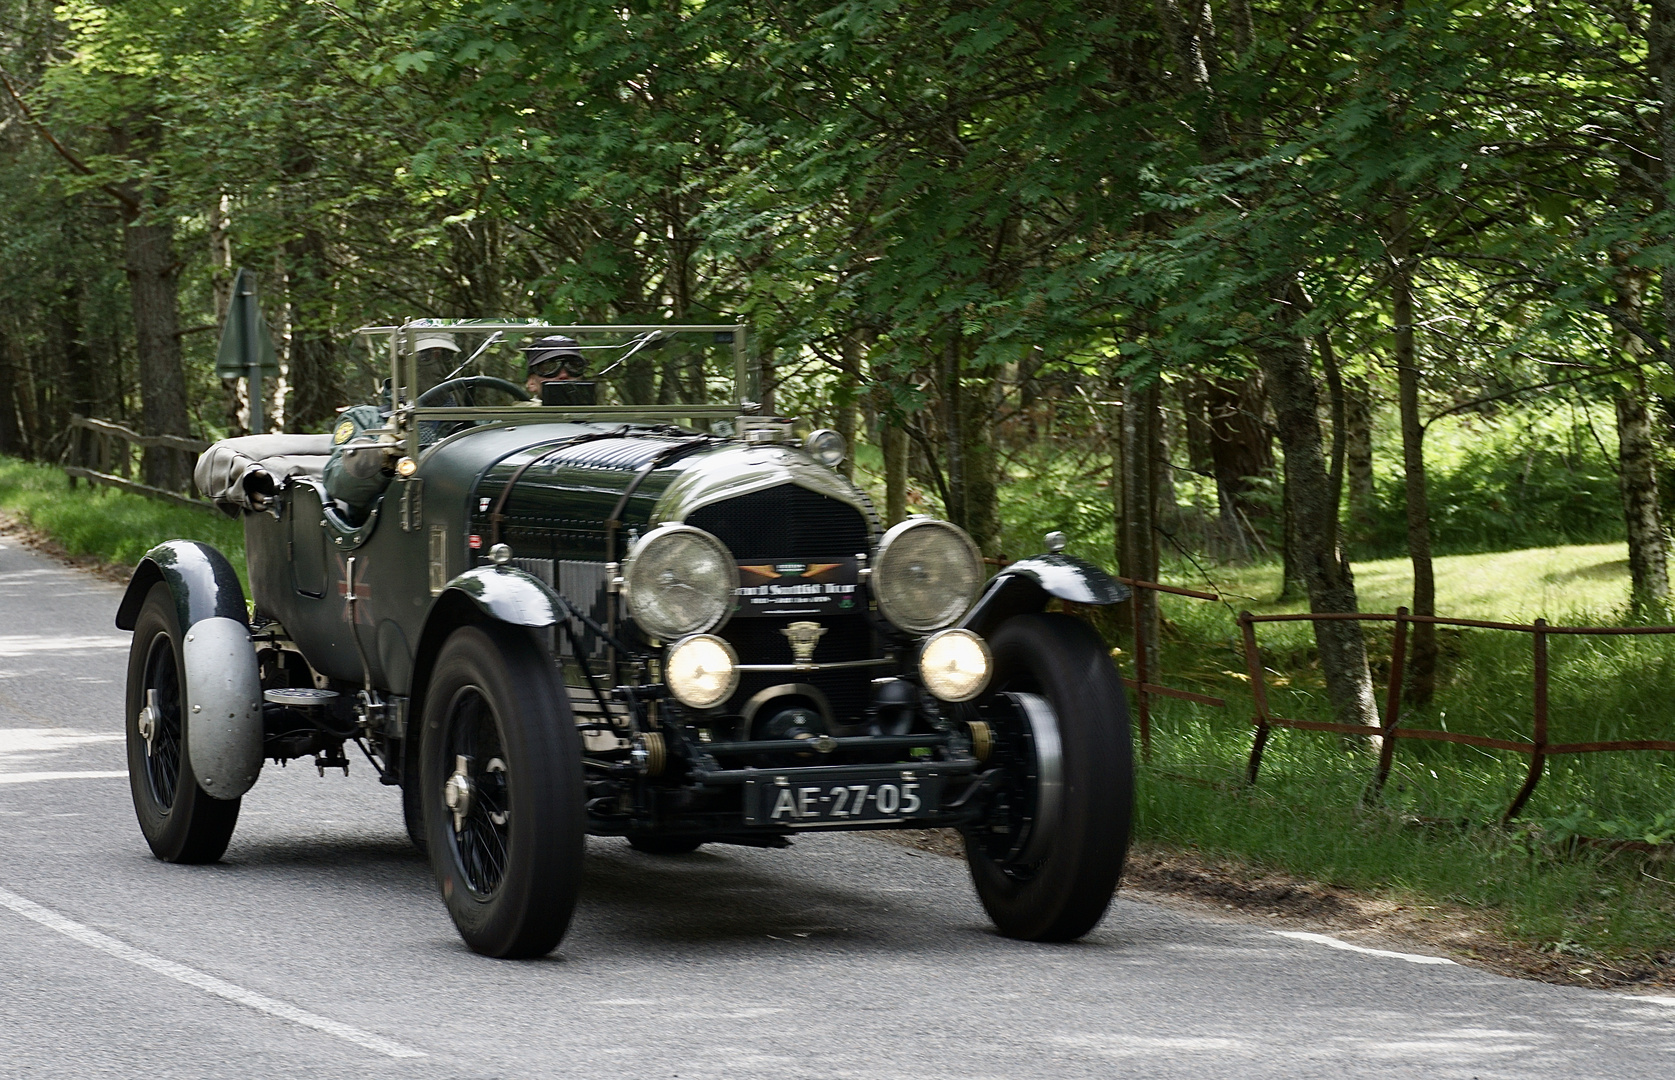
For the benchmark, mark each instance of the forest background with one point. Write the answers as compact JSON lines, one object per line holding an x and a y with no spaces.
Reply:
{"x":1186,"y":278}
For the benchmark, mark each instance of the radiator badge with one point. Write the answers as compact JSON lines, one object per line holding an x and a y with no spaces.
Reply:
{"x":803,"y":637}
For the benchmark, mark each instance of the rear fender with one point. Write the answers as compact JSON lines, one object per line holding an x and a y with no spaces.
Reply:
{"x":202,"y":581}
{"x":223,"y":684}
{"x":1028,"y":585}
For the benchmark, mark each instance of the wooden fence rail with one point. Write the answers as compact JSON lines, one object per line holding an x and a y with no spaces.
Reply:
{"x":104,"y":455}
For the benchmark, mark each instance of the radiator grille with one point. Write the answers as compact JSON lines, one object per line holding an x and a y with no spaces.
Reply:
{"x":785,"y":522}
{"x":850,"y":637}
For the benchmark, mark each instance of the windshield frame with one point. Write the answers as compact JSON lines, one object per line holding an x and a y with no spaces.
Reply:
{"x":403,"y":366}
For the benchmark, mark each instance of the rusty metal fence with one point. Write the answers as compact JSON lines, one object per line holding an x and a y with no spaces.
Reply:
{"x":1142,"y":685}
{"x":1538,"y":748}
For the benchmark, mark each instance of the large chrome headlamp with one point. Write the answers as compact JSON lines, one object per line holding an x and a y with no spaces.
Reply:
{"x":679,"y":580}
{"x":926,"y":575}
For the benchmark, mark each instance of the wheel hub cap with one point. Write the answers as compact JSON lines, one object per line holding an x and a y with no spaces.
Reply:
{"x":457,"y":792}
{"x":147,"y":720}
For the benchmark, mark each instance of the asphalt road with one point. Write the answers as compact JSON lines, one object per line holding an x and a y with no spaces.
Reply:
{"x":318,"y":948}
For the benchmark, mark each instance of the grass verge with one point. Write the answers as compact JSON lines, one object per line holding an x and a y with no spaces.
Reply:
{"x":105,"y":526}
{"x":1583,"y":876}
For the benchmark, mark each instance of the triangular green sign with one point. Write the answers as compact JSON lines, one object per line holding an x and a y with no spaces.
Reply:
{"x":245,"y":341}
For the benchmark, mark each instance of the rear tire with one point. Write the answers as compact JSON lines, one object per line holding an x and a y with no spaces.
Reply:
{"x":498,"y":734}
{"x":1054,"y":886}
{"x":181,"y":822}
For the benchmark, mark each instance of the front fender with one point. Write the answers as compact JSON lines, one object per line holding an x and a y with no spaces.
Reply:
{"x":1028,"y":584}
{"x":506,"y":595}
{"x":202,"y":581}
{"x":497,"y":593}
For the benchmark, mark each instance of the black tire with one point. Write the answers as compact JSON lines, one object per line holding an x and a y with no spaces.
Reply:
{"x":181,"y":822}
{"x":666,"y":845}
{"x":510,"y":869}
{"x":412,"y":809}
{"x":1056,"y":886}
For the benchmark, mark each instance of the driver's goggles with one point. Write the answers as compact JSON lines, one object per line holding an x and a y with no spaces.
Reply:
{"x":572,"y":366}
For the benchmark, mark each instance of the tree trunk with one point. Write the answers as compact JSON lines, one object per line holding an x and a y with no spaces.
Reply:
{"x":221,"y":284}
{"x":982,"y":493}
{"x":1660,"y":58}
{"x":1241,"y":450}
{"x":1422,"y":645}
{"x":1137,"y":525}
{"x":316,"y":378}
{"x":1326,"y":574}
{"x":11,"y":429}
{"x":895,"y":471}
{"x":1648,"y":546}
{"x":846,"y":397}
{"x":1291,"y":573}
{"x":153,"y":285}
{"x":1358,"y":457}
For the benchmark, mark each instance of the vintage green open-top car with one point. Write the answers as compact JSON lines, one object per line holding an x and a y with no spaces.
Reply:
{"x":553,"y":617}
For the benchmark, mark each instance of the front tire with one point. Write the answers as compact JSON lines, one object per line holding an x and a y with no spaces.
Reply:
{"x":181,"y":822}
{"x":1047,"y":858}
{"x":502,"y":793}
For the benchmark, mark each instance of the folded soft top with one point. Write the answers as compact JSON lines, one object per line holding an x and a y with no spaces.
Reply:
{"x":244,"y":473}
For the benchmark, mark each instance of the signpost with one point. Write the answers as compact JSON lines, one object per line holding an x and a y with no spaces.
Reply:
{"x":246,"y":349}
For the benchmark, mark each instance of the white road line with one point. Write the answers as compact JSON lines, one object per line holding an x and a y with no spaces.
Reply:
{"x":32,"y":777}
{"x":1334,"y":943}
{"x":209,"y":984}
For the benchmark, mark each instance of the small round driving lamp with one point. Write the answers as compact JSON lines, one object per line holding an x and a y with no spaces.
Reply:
{"x":679,"y":580}
{"x":955,"y":665}
{"x":701,"y":671}
{"x":926,"y":574}
{"x":827,"y":447}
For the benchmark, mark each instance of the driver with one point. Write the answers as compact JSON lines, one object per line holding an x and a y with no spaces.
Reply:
{"x":554,"y":358}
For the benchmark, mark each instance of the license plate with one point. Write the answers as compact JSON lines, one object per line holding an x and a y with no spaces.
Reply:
{"x":801,"y":801}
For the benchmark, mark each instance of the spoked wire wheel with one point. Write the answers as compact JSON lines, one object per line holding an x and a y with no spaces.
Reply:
{"x":181,"y":822}
{"x":475,"y":792}
{"x":159,"y":721}
{"x":500,"y":780}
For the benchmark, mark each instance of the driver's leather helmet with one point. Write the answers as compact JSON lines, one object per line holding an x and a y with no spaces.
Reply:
{"x":554,"y":357}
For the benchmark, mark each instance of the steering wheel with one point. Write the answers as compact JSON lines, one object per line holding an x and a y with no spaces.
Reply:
{"x":466,"y":384}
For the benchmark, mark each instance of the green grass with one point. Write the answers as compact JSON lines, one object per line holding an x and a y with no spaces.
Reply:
{"x":110,"y":525}
{"x":1434,"y":831}
{"x":1554,"y":583}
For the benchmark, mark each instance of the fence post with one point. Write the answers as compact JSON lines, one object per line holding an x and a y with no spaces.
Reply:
{"x":1392,"y":700}
{"x":1538,"y":755}
{"x":1142,"y":675}
{"x":1259,"y":695}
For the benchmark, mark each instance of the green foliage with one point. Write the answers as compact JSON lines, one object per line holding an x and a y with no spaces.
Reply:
{"x":1526,"y":478}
